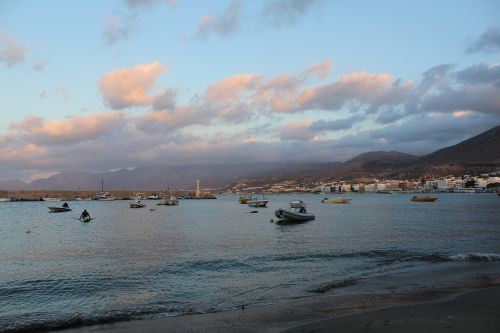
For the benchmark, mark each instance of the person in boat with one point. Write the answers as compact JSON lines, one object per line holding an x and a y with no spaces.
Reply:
{"x":65,"y":205}
{"x":302,"y":210}
{"x":85,"y":215}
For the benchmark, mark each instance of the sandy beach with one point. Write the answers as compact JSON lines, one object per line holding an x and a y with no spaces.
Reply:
{"x":451,"y":299}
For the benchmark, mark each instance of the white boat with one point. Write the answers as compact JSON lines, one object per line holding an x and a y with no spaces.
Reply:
{"x":104,"y":196}
{"x":5,"y":199}
{"x":170,"y":201}
{"x":51,"y":199}
{"x":336,"y":200}
{"x":154,"y":197}
{"x":137,"y":202}
{"x":295,"y":214}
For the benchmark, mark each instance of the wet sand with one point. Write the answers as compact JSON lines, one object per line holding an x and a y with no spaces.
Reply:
{"x":454,"y":297}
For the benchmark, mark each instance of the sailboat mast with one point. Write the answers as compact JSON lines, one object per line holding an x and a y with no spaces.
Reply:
{"x":102,"y":184}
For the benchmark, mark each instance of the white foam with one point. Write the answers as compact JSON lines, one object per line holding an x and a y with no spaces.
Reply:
{"x":475,"y":257}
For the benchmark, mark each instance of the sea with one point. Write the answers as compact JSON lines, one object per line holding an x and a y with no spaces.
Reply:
{"x":207,"y":256}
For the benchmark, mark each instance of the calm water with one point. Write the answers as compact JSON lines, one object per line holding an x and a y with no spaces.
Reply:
{"x":210,"y":255}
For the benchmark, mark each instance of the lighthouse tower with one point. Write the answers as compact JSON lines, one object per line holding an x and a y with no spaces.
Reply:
{"x":198,"y":192}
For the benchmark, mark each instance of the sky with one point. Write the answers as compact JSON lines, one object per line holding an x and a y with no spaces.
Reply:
{"x":92,"y":86}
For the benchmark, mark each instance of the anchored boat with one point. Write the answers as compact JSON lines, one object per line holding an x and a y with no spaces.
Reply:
{"x":295,"y":214}
{"x":59,"y":209}
{"x":423,"y":199}
{"x":336,"y":200}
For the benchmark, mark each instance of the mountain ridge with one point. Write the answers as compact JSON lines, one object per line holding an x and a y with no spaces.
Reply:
{"x":456,"y":159}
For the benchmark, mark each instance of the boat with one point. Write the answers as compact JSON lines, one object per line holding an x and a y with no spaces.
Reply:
{"x":59,"y":209}
{"x":51,"y":199}
{"x":5,"y":199}
{"x":423,"y":199}
{"x":336,"y":200}
{"x":103,"y":196}
{"x":137,"y":204}
{"x":245,"y":198}
{"x":258,"y":203}
{"x":154,"y":196}
{"x":170,"y":201}
{"x":295,"y":214}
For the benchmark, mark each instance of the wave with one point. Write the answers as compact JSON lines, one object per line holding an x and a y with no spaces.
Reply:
{"x":475,"y":257}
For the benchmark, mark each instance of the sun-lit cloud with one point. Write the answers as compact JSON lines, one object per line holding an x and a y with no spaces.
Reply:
{"x":127,"y":87}
{"x":374,"y":90}
{"x":340,"y":117}
{"x":462,"y":113}
{"x":11,"y":52}
{"x":35,"y":129}
{"x":232,"y":87}
{"x":222,"y":24}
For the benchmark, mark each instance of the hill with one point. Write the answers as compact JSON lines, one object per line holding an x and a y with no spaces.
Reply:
{"x":483,"y":148}
{"x":479,"y":153}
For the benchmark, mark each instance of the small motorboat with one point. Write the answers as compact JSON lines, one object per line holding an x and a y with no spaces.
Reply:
{"x":137,"y":204}
{"x":87,"y":219}
{"x":59,"y":209}
{"x":336,"y":200}
{"x":295,"y":214}
{"x":423,"y":199}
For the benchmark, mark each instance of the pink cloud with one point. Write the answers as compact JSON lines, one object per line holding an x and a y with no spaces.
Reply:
{"x":232,"y":87}
{"x":127,"y":87}
{"x":38,"y":131}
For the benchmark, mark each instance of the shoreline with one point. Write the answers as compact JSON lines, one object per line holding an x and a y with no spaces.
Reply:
{"x":377,"y":305}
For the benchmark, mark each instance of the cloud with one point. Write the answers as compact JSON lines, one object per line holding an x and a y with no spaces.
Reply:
{"x":127,"y":87}
{"x":165,"y":100}
{"x":297,"y":130}
{"x":223,"y":24}
{"x":425,"y":133}
{"x":40,"y":65}
{"x":375,"y":90}
{"x":488,"y":42}
{"x":287,"y":12}
{"x":11,"y":53}
{"x":59,"y":91}
{"x":232,"y":87}
{"x":74,"y":129}
{"x":138,"y":3}
{"x":480,"y":74}
{"x":116,"y":29}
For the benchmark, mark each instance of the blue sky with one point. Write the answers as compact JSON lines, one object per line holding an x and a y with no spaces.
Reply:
{"x":145,"y":82}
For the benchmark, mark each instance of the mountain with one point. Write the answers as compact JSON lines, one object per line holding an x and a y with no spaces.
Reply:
{"x":483,"y":148}
{"x":13,"y":184}
{"x":458,"y":159}
{"x":153,"y":177}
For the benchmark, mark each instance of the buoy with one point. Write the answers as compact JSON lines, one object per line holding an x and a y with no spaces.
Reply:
{"x":271,"y":220}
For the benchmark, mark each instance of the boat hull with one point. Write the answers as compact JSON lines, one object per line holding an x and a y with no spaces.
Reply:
{"x":293,"y":217}
{"x":336,"y":200}
{"x":258,"y":203}
{"x":423,"y":199}
{"x":59,"y":209}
